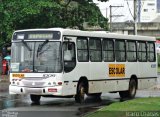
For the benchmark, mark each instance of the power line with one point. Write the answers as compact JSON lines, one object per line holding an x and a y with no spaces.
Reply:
{"x":129,"y":9}
{"x":113,"y":15}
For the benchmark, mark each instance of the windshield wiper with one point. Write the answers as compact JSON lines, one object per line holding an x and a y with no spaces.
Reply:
{"x":26,"y":45}
{"x":41,"y":46}
{"x":41,"y":52}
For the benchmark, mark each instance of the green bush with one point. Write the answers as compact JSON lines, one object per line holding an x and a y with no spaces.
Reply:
{"x":158,"y":59}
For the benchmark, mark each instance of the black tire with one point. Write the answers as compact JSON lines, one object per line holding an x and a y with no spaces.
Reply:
{"x":131,"y":92}
{"x":35,"y":98}
{"x":132,"y":88}
{"x":81,"y":91}
{"x":123,"y":94}
{"x":95,"y":95}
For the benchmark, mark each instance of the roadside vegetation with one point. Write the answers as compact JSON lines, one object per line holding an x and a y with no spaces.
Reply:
{"x":158,"y":60}
{"x":29,"y":14}
{"x":137,"y":107}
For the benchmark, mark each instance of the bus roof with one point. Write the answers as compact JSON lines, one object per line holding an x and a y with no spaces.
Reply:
{"x":101,"y":34}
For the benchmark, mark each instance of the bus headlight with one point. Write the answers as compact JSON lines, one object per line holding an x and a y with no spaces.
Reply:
{"x":49,"y":83}
{"x":54,"y":83}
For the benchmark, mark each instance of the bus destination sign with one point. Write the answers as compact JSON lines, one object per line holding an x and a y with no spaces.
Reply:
{"x":36,"y":35}
{"x":40,"y":36}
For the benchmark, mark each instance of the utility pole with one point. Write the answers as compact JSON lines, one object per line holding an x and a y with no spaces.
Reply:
{"x":135,"y":16}
{"x":113,"y":15}
{"x":139,"y":11}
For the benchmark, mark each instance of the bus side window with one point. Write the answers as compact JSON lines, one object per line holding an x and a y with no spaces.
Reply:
{"x":95,"y":49}
{"x":142,"y":51}
{"x":131,"y":51}
{"x":120,"y":50}
{"x":151,"y":52}
{"x":82,"y":49}
{"x":108,"y":50}
{"x":69,"y":56}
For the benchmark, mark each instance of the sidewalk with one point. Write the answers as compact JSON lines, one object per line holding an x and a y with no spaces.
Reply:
{"x":4,"y":78}
{"x":4,"y":86}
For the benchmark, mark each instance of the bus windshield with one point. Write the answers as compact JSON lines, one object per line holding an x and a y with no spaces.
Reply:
{"x":44,"y":56}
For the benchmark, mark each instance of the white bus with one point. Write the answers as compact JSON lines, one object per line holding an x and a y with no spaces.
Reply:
{"x":72,"y":63}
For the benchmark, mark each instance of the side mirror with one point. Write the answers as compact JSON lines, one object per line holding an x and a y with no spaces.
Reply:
{"x":69,"y":46}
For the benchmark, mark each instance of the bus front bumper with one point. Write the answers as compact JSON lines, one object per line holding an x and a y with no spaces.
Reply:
{"x":57,"y":90}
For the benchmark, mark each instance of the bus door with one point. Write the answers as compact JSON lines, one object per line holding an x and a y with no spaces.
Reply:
{"x":69,"y":55}
{"x":69,"y":64}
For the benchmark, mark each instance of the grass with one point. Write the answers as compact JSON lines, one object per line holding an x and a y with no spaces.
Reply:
{"x":158,"y":69}
{"x":123,"y":109}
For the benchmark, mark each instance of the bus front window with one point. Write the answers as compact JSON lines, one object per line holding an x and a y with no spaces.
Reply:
{"x":48,"y":57}
{"x":22,"y":57}
{"x":27,"y":57}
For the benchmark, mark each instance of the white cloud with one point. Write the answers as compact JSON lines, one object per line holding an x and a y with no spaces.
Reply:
{"x":104,"y":6}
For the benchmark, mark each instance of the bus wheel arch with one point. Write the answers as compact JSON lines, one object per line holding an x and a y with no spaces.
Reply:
{"x":133,"y":85}
{"x":136,"y":79}
{"x":82,"y":89}
{"x":132,"y":88}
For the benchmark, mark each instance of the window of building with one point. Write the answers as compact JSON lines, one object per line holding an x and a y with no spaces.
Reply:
{"x":82,"y":49}
{"x":95,"y":50}
{"x":108,"y":50}
{"x":151,"y":4}
{"x":145,"y":10}
{"x":120,"y":51}
{"x":142,"y":51}
{"x":131,"y":51}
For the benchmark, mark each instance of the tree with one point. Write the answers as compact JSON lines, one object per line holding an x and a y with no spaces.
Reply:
{"x":103,"y":0}
{"x":25,"y":14}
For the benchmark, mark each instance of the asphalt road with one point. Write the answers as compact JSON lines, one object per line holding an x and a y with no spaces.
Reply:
{"x":21,"y":106}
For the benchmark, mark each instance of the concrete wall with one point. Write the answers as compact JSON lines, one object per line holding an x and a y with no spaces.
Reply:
{"x":146,"y":29}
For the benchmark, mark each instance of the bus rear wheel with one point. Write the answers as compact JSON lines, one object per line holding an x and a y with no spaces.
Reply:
{"x":35,"y":98}
{"x":81,"y":90}
{"x":131,"y":92}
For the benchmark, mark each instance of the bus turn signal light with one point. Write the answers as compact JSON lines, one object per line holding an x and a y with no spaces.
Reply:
{"x":59,"y":83}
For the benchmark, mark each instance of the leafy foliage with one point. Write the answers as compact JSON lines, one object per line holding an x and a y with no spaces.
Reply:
{"x":25,"y":14}
{"x":103,"y":0}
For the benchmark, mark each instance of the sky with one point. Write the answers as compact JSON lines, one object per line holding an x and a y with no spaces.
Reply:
{"x":104,"y":6}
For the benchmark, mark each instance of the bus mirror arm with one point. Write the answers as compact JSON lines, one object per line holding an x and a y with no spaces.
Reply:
{"x":26,"y":45}
{"x":69,"y":46}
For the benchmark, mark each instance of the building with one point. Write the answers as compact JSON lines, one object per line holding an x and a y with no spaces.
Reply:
{"x":147,"y":10}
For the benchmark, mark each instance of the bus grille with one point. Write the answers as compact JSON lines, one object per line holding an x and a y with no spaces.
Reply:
{"x":34,"y":91}
{"x":33,"y":84}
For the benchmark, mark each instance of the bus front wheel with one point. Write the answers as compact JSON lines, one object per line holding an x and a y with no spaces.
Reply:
{"x":131,"y":92}
{"x":95,"y":95}
{"x":35,"y":98}
{"x":79,"y":97}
